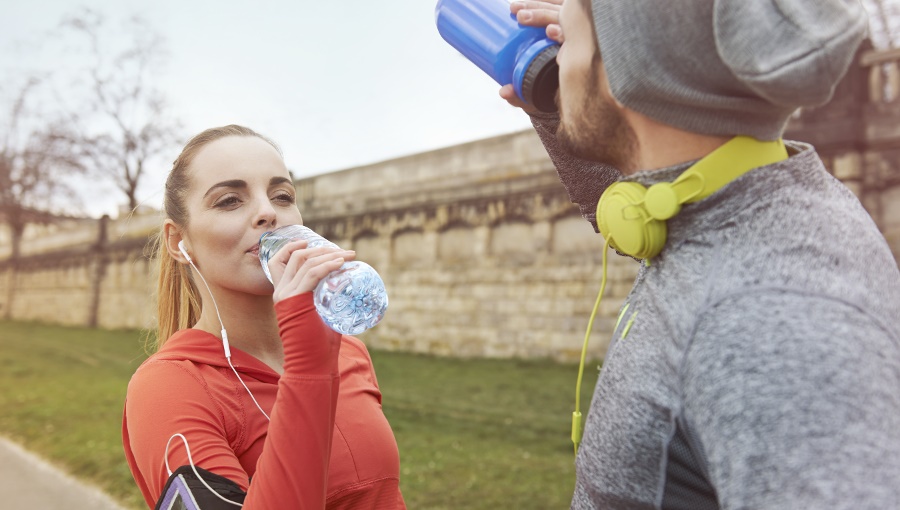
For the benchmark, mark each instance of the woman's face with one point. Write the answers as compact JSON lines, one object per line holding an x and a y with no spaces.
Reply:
{"x":239,"y":190}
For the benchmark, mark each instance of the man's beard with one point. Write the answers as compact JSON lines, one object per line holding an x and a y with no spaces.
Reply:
{"x":598,"y":131}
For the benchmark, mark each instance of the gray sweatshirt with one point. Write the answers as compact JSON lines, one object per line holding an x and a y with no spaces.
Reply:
{"x":757,"y":364}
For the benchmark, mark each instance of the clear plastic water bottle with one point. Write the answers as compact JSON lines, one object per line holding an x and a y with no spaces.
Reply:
{"x":349,"y":300}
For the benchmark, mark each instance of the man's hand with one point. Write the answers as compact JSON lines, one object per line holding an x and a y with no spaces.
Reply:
{"x":534,"y":13}
{"x":539,"y":13}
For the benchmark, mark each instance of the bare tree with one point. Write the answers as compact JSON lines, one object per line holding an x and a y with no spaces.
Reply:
{"x":35,"y":161}
{"x":125,"y":124}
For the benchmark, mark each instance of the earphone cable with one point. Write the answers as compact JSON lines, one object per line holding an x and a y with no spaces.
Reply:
{"x":225,"y":341}
{"x":194,"y":468}
{"x":248,"y":390}
{"x":216,"y":306}
{"x":577,"y":423}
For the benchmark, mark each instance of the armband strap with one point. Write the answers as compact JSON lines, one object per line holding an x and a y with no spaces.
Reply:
{"x":183,"y":491}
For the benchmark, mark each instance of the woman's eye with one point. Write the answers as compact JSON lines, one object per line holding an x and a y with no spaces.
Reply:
{"x":227,"y":201}
{"x":285,"y":197}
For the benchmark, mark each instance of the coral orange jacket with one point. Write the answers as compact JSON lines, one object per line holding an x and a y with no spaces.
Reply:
{"x":328,"y":444}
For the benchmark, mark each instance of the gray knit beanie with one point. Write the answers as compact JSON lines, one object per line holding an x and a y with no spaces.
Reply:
{"x":726,"y":67}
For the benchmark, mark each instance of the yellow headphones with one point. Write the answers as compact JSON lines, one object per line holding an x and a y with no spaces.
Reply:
{"x":633,"y":218}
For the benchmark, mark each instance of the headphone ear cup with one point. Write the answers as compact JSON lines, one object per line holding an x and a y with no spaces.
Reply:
{"x":624,"y":221}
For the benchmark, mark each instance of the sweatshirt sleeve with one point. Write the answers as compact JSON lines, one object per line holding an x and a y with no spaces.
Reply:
{"x":166,"y":398}
{"x":794,"y":401}
{"x":584,"y":180}
{"x":292,"y":470}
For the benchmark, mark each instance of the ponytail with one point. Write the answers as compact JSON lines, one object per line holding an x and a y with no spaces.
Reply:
{"x":178,"y":301}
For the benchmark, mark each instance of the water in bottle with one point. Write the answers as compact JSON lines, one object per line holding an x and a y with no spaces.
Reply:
{"x":350,"y":300}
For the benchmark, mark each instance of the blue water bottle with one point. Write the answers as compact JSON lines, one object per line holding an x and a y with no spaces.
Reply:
{"x":487,"y":34}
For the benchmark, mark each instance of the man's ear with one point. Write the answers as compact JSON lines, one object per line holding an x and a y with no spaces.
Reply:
{"x":172,"y":236}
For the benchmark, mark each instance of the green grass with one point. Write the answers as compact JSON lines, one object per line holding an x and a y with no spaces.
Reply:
{"x":474,"y":434}
{"x":61,"y":394}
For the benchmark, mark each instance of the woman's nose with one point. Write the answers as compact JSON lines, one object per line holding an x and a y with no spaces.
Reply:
{"x":266,"y":215}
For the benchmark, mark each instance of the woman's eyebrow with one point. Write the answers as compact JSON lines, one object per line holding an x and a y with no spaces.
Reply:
{"x":234,"y":183}
{"x":238,"y":183}
{"x":274,"y":181}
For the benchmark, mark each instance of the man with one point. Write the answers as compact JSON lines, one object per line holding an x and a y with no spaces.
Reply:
{"x":761,"y":366}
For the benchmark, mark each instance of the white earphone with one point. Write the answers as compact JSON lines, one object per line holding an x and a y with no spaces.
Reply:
{"x":185,"y":253}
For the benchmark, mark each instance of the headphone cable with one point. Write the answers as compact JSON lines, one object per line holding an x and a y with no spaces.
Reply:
{"x":577,"y":423}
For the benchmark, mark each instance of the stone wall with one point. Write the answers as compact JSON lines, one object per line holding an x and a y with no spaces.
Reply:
{"x":483,"y":255}
{"x":513,"y":289}
{"x":83,"y":273}
{"x":858,"y":136}
{"x":480,"y":249}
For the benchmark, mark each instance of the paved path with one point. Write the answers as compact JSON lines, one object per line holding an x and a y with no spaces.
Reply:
{"x":27,"y":481}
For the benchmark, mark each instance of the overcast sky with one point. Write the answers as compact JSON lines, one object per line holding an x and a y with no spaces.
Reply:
{"x":336,"y":84}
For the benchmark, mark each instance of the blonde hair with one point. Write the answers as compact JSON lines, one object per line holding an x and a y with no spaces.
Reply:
{"x":178,"y":299}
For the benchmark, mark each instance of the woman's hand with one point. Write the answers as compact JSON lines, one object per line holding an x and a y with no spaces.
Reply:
{"x":534,"y":13}
{"x":296,"y":269}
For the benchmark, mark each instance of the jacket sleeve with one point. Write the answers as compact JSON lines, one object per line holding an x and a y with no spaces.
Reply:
{"x":166,"y":398}
{"x":794,"y":401}
{"x":292,"y":470}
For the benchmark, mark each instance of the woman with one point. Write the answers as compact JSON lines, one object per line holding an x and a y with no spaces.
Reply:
{"x":204,"y":400}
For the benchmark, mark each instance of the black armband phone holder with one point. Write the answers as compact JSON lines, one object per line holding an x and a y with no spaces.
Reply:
{"x":185,"y":491}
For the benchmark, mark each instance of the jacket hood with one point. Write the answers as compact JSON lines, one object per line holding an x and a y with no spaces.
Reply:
{"x":199,"y":346}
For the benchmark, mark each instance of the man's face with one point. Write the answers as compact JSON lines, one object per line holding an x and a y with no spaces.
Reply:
{"x":592,"y":126}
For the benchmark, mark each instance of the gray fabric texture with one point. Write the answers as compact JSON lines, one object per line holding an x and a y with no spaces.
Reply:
{"x":726,"y":67}
{"x":764,"y":357}
{"x":584,"y":180}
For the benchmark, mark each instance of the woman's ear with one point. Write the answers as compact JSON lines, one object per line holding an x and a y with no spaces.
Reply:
{"x":175,"y":242}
